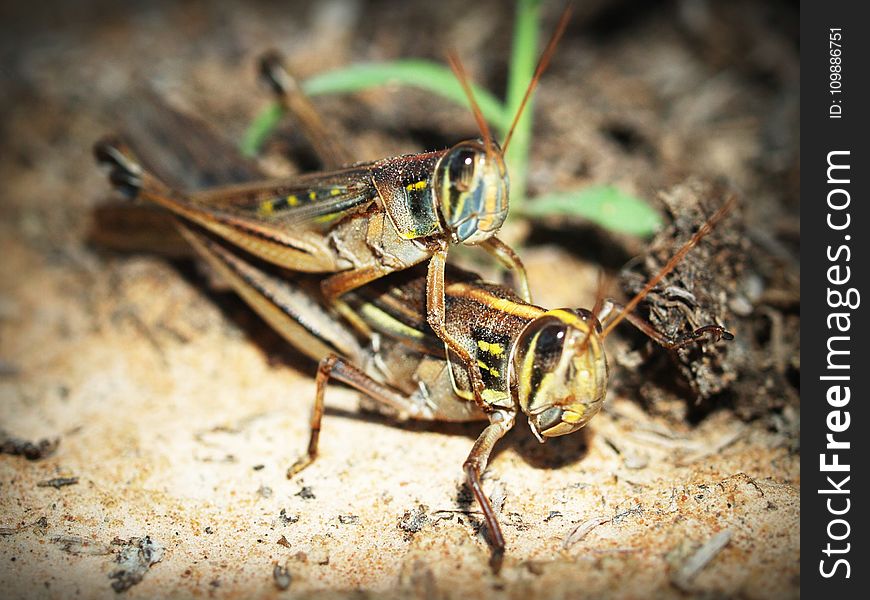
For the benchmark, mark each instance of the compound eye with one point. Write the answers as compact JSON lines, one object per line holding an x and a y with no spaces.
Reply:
{"x":549,"y":343}
{"x":461,"y":169}
{"x":543,"y":342}
{"x":538,"y":352}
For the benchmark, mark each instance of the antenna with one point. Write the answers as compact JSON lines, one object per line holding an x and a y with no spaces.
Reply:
{"x":543,"y":62}
{"x":601,"y":293}
{"x":705,"y":229}
{"x":459,"y":71}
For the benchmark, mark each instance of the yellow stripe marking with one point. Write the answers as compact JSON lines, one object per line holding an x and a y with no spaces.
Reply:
{"x":486,"y":367}
{"x":267,"y":208}
{"x":387,"y":321}
{"x":525,"y":311}
{"x":495,"y":349}
{"x":526,"y":368}
{"x":292,"y":200}
{"x":420,"y":185}
{"x":491,"y":396}
{"x":466,"y":394}
{"x":569,"y":318}
{"x":312,"y":195}
{"x":335,"y":191}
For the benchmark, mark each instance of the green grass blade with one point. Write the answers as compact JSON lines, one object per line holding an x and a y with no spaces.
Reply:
{"x":604,"y":205}
{"x":422,"y":74}
{"x":259,"y":129}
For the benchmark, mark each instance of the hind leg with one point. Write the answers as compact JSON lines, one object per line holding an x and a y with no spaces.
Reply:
{"x":292,"y":99}
{"x":338,"y":368}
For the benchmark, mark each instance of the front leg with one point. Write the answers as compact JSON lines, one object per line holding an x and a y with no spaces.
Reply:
{"x":509,"y":259}
{"x":436,"y":315}
{"x":474,"y":466}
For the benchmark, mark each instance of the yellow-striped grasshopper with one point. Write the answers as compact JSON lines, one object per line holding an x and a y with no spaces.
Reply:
{"x":549,"y":365}
{"x":361,"y":222}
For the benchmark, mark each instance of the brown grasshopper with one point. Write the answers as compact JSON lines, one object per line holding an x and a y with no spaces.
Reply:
{"x":361,"y":222}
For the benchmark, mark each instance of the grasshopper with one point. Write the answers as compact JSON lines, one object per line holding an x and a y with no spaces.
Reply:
{"x":361,"y":222}
{"x":547,"y":365}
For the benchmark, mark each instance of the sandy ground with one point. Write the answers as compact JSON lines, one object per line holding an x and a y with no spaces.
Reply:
{"x":178,"y":411}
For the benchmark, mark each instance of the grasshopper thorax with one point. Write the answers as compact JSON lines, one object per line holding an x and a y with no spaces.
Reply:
{"x":559,"y":371}
{"x":471,"y":191}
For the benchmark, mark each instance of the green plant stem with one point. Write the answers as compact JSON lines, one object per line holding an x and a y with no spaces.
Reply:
{"x":522,"y":68}
{"x":259,"y":129}
{"x":422,"y":74}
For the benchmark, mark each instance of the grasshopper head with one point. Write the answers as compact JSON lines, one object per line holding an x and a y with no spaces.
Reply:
{"x":559,"y":371}
{"x":471,"y":187}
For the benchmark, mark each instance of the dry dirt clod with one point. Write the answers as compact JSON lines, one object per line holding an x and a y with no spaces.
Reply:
{"x":305,"y":493}
{"x":287,"y":519}
{"x":29,"y":450}
{"x":282,"y":577}
{"x":413,"y":521}
{"x":136,"y":556}
{"x":39,"y":526}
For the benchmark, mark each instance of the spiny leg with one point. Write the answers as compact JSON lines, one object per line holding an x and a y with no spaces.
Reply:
{"x":436,"y":315}
{"x":711,"y":332}
{"x":507,"y":257}
{"x":474,"y":467}
{"x":292,"y":99}
{"x":336,"y":367}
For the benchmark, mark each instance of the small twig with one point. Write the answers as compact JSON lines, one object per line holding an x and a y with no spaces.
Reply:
{"x":77,"y":545}
{"x":715,"y":447}
{"x":457,"y":511}
{"x":583,"y":529}
{"x":652,"y":438}
{"x":40,"y":523}
{"x":58,"y":482}
{"x":683,"y":576}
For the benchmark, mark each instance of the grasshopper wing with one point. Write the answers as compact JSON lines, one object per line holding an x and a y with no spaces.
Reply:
{"x":313,"y":202}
